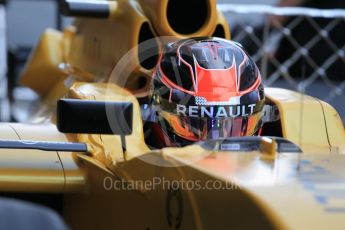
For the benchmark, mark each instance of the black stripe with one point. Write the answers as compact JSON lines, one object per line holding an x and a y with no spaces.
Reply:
{"x":43,"y":145}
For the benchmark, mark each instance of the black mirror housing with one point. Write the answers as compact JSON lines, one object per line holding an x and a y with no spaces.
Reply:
{"x":90,"y":9}
{"x":94,"y":117}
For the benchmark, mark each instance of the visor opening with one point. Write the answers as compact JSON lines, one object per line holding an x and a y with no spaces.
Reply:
{"x":219,"y":32}
{"x":148,"y":52}
{"x":187,"y":17}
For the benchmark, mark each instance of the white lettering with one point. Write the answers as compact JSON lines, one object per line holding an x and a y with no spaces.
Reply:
{"x":193,"y":111}
{"x":232,"y":114}
{"x":181,"y":110}
{"x":216,"y":111}
{"x":221,"y":112}
{"x":205,"y":111}
{"x":244,"y":111}
{"x":251,"y":108}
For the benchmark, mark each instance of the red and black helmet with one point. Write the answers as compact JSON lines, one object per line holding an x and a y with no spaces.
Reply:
{"x":206,"y":88}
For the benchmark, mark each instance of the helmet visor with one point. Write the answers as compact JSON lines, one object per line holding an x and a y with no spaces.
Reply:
{"x":204,"y":128}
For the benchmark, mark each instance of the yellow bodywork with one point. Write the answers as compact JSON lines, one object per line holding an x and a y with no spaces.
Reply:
{"x":37,"y":171}
{"x":73,"y":52}
{"x":310,"y":123}
{"x":268,"y":190}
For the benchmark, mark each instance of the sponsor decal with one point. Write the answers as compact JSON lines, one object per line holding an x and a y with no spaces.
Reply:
{"x":230,"y":147}
{"x":215,"y":111}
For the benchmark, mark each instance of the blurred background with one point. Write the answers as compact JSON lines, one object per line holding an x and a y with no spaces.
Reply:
{"x":297,"y":48}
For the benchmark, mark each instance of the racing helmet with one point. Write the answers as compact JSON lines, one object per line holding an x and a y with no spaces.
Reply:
{"x":206,"y":88}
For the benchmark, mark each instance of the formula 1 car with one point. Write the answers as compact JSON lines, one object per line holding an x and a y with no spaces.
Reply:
{"x":84,"y":151}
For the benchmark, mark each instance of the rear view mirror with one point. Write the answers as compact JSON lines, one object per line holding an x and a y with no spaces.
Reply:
{"x":94,"y":117}
{"x":88,"y":8}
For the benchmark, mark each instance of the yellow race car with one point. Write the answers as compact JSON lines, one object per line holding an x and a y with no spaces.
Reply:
{"x":84,"y":151}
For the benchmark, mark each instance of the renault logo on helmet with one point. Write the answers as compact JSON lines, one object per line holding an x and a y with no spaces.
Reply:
{"x":233,"y":111}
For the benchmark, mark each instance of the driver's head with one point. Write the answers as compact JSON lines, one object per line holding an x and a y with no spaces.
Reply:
{"x":206,"y":88}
